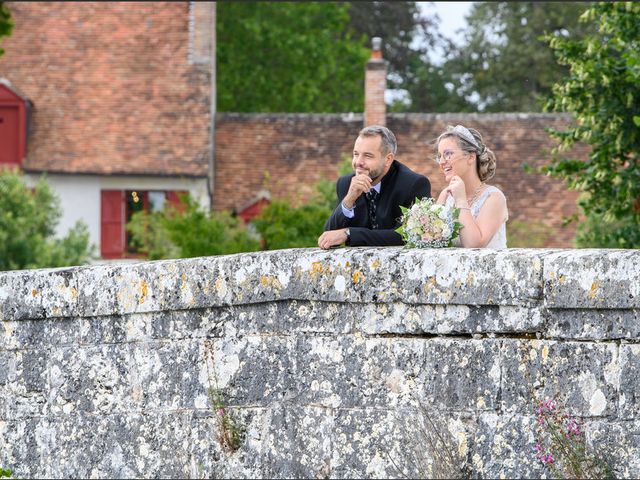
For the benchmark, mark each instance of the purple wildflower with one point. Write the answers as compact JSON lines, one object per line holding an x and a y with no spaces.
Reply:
{"x":573,"y":428}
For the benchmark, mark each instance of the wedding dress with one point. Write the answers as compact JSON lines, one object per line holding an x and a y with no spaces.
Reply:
{"x":499,"y":240}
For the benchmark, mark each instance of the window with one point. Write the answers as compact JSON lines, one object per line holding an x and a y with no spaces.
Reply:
{"x":117,"y":208}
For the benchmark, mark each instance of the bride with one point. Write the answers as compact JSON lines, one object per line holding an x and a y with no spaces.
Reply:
{"x":467,"y":164}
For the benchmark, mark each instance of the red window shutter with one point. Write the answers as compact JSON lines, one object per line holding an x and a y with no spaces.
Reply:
{"x":13,"y":126}
{"x":9,"y":135}
{"x":112,"y":234}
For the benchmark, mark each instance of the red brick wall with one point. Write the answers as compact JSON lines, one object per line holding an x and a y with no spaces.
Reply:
{"x":295,"y":151}
{"x":112,"y":87}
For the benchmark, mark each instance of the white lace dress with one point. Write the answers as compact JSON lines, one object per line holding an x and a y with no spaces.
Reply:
{"x":499,"y":240}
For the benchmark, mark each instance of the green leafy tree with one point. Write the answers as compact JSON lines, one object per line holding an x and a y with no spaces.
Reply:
{"x":603,"y":93}
{"x":408,"y":39}
{"x":504,"y":63}
{"x":28,"y":217}
{"x":6,"y":25}
{"x":189,"y":231}
{"x":288,"y":57}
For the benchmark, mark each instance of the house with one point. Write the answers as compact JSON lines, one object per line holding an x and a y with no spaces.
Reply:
{"x":115,"y":103}
{"x":120,"y":96}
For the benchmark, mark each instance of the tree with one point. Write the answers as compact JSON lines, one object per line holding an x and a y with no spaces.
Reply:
{"x":408,"y":38}
{"x":603,"y":93}
{"x":288,"y":57}
{"x":28,"y":217}
{"x":504,"y":63}
{"x":6,"y":25}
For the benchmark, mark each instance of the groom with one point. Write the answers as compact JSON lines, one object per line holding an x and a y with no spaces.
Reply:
{"x":368,"y":210}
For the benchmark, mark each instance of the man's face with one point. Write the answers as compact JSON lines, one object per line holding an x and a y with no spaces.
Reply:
{"x":368,"y":160}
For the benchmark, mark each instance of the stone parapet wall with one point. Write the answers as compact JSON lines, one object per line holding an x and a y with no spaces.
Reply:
{"x":329,"y":358}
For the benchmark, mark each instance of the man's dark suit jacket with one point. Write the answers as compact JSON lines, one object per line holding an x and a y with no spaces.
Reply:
{"x":400,"y":186}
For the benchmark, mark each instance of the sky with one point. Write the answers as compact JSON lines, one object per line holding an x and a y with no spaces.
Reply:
{"x":451,"y":18}
{"x":451,"y":21}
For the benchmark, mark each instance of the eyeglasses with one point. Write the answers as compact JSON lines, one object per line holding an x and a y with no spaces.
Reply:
{"x":447,"y":155}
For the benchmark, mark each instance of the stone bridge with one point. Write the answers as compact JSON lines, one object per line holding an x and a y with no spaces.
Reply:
{"x":342,"y":363}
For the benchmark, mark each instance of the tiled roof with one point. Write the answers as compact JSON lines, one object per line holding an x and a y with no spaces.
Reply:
{"x":112,"y":87}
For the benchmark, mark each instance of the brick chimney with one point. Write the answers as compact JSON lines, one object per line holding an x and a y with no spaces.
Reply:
{"x":375,"y":83}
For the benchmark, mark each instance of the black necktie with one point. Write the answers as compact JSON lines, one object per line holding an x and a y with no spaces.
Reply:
{"x":372,"y":202}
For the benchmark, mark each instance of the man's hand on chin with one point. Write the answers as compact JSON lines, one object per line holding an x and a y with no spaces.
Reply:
{"x":332,"y":238}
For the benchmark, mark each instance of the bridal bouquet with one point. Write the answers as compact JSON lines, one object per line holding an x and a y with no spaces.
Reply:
{"x":428,"y":224}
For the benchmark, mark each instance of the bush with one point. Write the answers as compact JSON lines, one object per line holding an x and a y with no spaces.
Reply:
{"x":189,"y":231}
{"x":28,"y":217}
{"x":282,"y":224}
{"x":522,"y":234}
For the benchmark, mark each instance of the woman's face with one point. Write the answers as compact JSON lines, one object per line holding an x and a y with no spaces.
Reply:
{"x":452,"y":160}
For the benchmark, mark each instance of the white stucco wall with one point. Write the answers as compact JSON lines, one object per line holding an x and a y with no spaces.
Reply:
{"x":80,"y":195}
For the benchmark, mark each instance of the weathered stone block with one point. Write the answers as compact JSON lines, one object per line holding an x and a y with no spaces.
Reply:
{"x":330,"y":371}
{"x":168,"y":376}
{"x":297,"y":442}
{"x":629,"y":381}
{"x":592,"y":279}
{"x":400,"y":443}
{"x":504,"y":447}
{"x":463,"y":374}
{"x":584,"y":377}
{"x":113,"y":446}
{"x":618,"y":444}
{"x":192,"y":324}
{"x":402,"y":318}
{"x":95,"y":379}
{"x":296,"y":316}
{"x":25,"y":383}
{"x":253,"y":370}
{"x":365,"y":443}
{"x":36,"y":294}
{"x":593,"y":324}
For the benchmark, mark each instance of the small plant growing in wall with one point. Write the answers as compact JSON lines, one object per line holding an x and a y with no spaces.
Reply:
{"x":5,"y":473}
{"x":229,"y":429}
{"x":561,"y":445}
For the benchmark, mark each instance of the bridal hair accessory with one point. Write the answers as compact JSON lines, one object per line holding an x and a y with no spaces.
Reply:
{"x":466,"y":134}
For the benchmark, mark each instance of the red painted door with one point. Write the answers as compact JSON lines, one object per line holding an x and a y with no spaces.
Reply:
{"x":112,"y":221}
{"x":9,"y":135}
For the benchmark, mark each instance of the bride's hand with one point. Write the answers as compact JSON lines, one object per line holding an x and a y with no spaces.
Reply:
{"x":457,"y":191}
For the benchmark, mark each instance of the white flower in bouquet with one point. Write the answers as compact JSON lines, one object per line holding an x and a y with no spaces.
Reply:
{"x":427,"y":224}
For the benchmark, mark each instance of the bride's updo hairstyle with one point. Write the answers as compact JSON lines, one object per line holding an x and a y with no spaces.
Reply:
{"x":470,"y":140}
